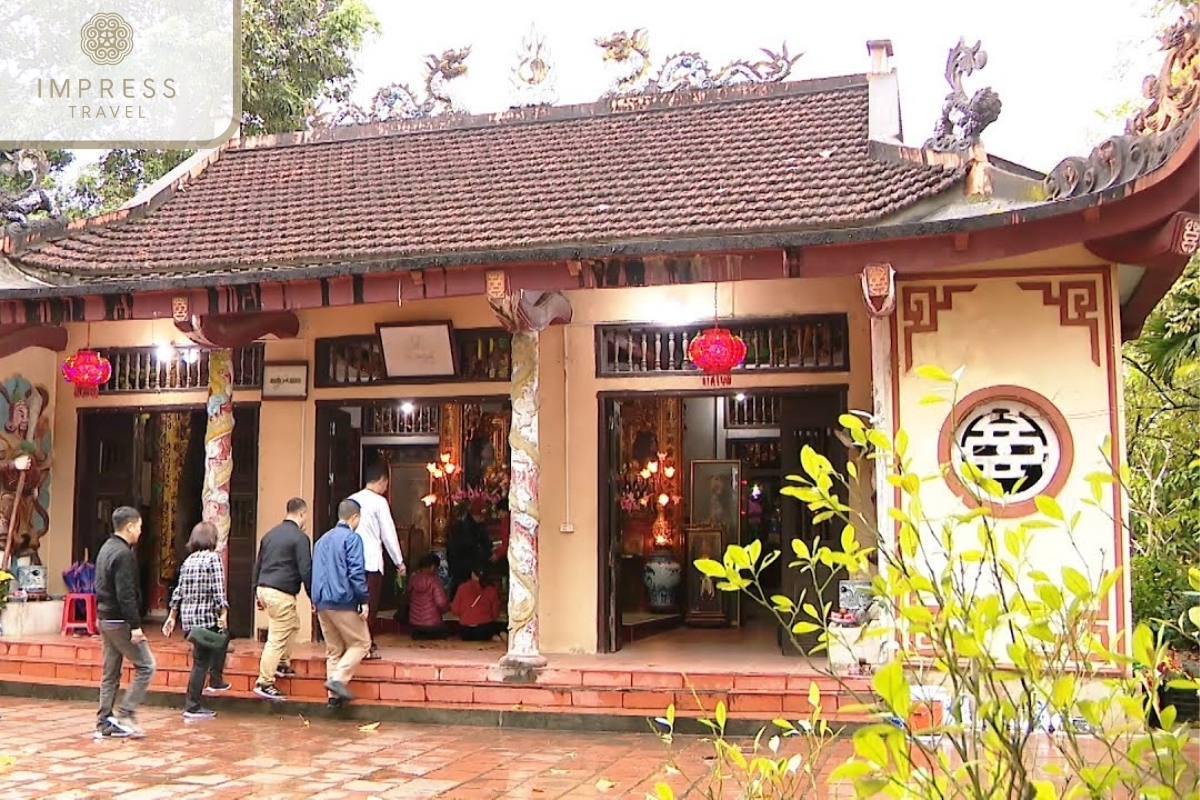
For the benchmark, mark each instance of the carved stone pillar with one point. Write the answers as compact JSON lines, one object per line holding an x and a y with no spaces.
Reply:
{"x":879,"y":294}
{"x":524,"y":516}
{"x":525,"y":315}
{"x":218,"y":446}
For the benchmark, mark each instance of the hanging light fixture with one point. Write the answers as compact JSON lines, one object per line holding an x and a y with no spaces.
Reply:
{"x":87,"y":370}
{"x":717,"y":350}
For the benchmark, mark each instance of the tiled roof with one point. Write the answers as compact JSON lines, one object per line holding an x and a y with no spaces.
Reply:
{"x":764,"y":159}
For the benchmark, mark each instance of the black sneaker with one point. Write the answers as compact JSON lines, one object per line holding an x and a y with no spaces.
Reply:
{"x":269,"y":692}
{"x":339,"y":689}
{"x":285,"y":671}
{"x":127,"y":725}
{"x":200,"y":712}
{"x":109,"y":731}
{"x":334,"y":703}
{"x":217,"y":688}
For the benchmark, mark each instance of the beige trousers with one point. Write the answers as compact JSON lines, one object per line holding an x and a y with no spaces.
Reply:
{"x":282,"y":626}
{"x":347,"y":641}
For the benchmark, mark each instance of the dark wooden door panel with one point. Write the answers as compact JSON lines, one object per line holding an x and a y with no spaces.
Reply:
{"x":243,"y":520}
{"x":809,"y":420}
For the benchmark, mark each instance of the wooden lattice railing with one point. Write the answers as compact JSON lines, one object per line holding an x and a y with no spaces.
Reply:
{"x":156,"y":369}
{"x":799,"y":344}
{"x":482,"y":355}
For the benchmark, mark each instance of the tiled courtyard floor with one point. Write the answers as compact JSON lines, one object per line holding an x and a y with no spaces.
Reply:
{"x":280,"y":757}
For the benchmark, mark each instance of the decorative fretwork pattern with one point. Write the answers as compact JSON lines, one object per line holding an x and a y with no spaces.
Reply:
{"x":752,"y":411}
{"x":482,"y":355}
{"x":401,"y":419}
{"x":151,"y":369}
{"x":800,"y":344}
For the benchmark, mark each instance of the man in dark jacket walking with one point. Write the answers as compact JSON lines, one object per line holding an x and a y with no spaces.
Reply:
{"x":340,"y":594}
{"x":118,"y":605}
{"x":284,"y":565}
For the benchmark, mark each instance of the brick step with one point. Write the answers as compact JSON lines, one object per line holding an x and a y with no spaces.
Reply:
{"x":756,"y":706}
{"x":621,"y":690}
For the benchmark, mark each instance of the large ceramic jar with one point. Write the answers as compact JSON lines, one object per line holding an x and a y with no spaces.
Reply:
{"x":662,"y":576}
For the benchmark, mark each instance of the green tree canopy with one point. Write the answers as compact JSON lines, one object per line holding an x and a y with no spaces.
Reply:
{"x":296,"y":55}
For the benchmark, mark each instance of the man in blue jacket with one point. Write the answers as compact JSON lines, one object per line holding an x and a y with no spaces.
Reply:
{"x":339,"y":591}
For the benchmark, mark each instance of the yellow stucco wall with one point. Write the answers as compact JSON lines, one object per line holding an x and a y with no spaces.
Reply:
{"x":1002,"y":330}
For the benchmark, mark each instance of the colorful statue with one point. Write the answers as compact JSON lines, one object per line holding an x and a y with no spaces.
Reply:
{"x":25,"y":461}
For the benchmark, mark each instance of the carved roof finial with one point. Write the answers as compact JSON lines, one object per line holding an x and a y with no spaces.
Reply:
{"x":964,"y":119}
{"x":533,"y":77}
{"x":1174,"y":94}
{"x":628,"y":54}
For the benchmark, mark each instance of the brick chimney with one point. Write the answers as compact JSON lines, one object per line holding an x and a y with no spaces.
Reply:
{"x":883,"y":91}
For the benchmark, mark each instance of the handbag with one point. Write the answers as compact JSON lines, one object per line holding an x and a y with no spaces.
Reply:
{"x":207,"y":638}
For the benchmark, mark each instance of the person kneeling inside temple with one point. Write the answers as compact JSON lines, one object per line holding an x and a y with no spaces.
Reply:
{"x":477,"y":605}
{"x":427,"y":601}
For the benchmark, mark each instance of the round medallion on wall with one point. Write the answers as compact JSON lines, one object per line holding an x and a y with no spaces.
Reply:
{"x":1013,"y":436}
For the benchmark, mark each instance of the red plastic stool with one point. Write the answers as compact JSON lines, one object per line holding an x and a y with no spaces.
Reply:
{"x":73,"y":624}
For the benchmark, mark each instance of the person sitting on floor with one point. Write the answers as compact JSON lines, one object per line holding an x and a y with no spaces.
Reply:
{"x":477,"y":605}
{"x":427,"y":601}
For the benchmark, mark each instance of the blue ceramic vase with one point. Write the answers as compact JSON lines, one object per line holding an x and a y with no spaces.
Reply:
{"x":662,"y":576}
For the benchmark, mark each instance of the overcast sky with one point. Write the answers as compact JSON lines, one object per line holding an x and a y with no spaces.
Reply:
{"x":1054,"y":63}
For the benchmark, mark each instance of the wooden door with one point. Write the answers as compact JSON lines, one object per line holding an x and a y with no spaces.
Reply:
{"x":338,"y":474}
{"x":809,"y":419}
{"x":243,"y":520}
{"x":610,"y":532}
{"x":104,"y":477}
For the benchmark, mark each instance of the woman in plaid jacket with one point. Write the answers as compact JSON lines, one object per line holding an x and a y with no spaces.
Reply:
{"x":199,"y":604}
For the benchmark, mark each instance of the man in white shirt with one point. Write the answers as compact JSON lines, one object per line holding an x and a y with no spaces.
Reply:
{"x":377,"y":530}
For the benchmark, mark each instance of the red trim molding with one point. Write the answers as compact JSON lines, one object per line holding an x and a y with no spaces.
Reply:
{"x":1078,"y":304}
{"x":921,"y":307}
{"x":1053,"y":417}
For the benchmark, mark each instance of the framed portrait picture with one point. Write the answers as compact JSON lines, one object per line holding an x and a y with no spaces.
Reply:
{"x":715,"y":496}
{"x":418,"y":350}
{"x":285,"y":380}
{"x":707,"y":606}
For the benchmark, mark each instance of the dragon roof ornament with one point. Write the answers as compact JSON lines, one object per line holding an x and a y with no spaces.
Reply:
{"x":964,"y":119}
{"x":397,"y":101}
{"x":629,"y":55}
{"x":16,"y":207}
{"x":1151,"y":135}
{"x":533,"y":77}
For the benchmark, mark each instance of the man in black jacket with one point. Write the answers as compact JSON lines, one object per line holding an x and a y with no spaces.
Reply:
{"x":118,"y":605}
{"x":284,"y":564}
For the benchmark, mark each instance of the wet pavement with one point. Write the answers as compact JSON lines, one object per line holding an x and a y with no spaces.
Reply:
{"x":288,"y":756}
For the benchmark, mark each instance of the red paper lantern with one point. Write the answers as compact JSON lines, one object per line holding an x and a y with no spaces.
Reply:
{"x":717,"y":351}
{"x":88,"y":370}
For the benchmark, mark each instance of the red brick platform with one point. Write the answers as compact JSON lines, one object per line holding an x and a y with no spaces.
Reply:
{"x":472,"y":680}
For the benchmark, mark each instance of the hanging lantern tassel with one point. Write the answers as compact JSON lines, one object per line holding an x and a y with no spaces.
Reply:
{"x":88,"y":371}
{"x":716,"y":352}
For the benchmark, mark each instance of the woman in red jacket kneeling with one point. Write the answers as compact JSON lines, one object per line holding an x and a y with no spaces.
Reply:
{"x":477,"y":605}
{"x":427,"y":602}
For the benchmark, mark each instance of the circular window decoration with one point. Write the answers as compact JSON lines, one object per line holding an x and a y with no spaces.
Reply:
{"x":1012,"y":435}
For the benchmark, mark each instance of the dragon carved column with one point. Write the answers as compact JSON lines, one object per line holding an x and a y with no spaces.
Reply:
{"x":218,"y":446}
{"x":525,"y":315}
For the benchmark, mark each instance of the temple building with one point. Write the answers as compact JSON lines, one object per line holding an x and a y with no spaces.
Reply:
{"x":526,"y":314}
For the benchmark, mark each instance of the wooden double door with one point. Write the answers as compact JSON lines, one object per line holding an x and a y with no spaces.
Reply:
{"x":114,"y":467}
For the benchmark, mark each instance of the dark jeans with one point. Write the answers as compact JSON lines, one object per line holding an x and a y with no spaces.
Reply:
{"x":482,"y":633}
{"x":428,"y":634}
{"x":117,"y":645}
{"x":206,"y":661}
{"x":374,"y":596}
